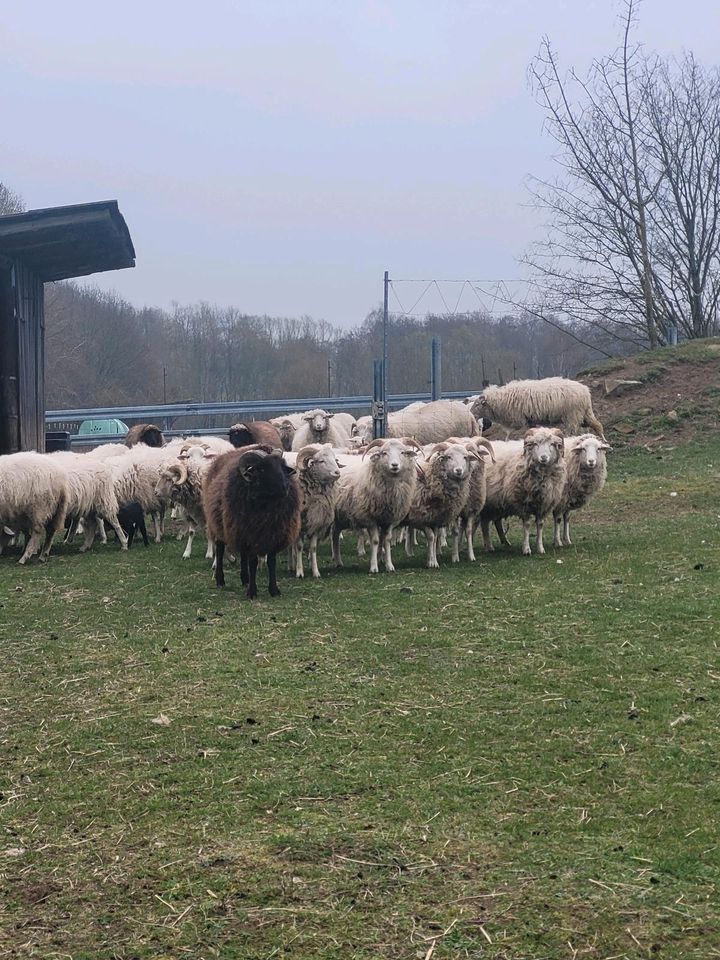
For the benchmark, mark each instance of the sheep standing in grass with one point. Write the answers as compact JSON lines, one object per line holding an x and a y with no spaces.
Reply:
{"x":181,"y":483}
{"x":375,"y":492}
{"x":586,"y":476}
{"x":477,"y":492}
{"x":251,"y":500}
{"x":91,"y":496}
{"x":318,"y":472}
{"x":318,"y":428}
{"x":440,"y":493}
{"x":33,"y":500}
{"x":552,"y":402}
{"x":526,"y":482}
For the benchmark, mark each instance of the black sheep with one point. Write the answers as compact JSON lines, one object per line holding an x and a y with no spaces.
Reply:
{"x":132,"y":518}
{"x":251,"y":501}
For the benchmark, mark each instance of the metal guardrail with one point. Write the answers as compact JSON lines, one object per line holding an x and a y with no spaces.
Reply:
{"x":248,"y":407}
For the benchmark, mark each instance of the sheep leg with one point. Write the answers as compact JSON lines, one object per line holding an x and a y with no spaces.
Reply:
{"x":432,"y":560}
{"x":442,"y":540}
{"x":119,"y":532}
{"x":54,"y":525}
{"x":539,"y":521}
{"x":566,"y":530}
{"x":526,"y":537}
{"x":557,"y":526}
{"x":252,"y":565}
{"x":487,"y":542}
{"x":31,"y":547}
{"x":457,"y":533}
{"x":72,"y":530}
{"x":361,"y":544}
{"x":158,"y":528}
{"x":387,"y":551}
{"x":188,"y":546}
{"x":336,"y":558}
{"x":501,"y":533}
{"x":313,"y":556}
{"x":595,"y":425}
{"x":162,"y":519}
{"x":409,"y":542}
{"x":297,"y":549}
{"x":210,"y":550}
{"x":469,"y":533}
{"x":374,"y":546}
{"x":90,"y":531}
{"x":272,"y":575}
{"x":244,"y":569}
{"x":219,"y":572}
{"x":101,"y":530}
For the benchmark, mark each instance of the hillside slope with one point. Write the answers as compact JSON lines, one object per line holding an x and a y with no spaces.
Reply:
{"x":676,"y":396}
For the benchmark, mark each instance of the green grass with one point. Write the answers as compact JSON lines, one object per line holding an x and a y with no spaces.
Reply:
{"x":511,"y":759}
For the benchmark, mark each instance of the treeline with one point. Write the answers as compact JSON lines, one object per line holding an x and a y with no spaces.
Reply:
{"x":100,"y":350}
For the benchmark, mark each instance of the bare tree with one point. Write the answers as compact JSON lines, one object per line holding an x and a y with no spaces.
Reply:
{"x":683,"y":143}
{"x":596,"y":263}
{"x":10,"y":202}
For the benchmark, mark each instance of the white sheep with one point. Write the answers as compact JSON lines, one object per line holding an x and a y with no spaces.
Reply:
{"x":552,"y":402}
{"x":33,"y":500}
{"x":440,"y":493}
{"x":586,"y":476}
{"x":317,"y":428}
{"x":427,"y":423}
{"x":477,"y":492}
{"x":318,"y":472}
{"x":526,"y":483}
{"x":181,"y":483}
{"x":374,"y":494}
{"x":91,"y":496}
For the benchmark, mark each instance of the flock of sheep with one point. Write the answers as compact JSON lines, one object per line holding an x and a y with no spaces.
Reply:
{"x":290,"y":483}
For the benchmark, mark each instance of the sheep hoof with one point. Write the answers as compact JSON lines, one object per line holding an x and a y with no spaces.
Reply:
{"x":273,"y":592}
{"x":527,"y":551}
{"x":299,"y":576}
{"x":251,"y":594}
{"x":317,"y":575}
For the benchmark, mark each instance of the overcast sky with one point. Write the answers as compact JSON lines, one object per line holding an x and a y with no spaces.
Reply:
{"x":279,"y":156}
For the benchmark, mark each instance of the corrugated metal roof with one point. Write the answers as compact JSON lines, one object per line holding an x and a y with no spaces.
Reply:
{"x":62,"y":242}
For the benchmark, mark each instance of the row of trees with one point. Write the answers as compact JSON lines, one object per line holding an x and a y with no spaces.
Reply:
{"x":102,"y":350}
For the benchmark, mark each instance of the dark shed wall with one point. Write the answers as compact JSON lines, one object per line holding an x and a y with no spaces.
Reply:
{"x":22,"y":395}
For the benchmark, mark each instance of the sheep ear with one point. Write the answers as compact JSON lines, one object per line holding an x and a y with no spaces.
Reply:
{"x":307,"y":417}
{"x":329,"y":415}
{"x":605,"y":446}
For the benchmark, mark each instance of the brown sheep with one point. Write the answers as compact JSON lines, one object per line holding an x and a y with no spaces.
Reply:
{"x":256,"y":431}
{"x":146,"y":433}
{"x":251,"y":500}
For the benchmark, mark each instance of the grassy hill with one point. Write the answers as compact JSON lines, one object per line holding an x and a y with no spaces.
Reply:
{"x":677,"y":396}
{"x":510,"y":759}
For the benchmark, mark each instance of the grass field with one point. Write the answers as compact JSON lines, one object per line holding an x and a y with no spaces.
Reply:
{"x":511,"y":759}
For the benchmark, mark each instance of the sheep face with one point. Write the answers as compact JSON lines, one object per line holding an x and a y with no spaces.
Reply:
{"x":319,"y":420}
{"x":323,"y":466}
{"x":393,"y":457}
{"x":543,"y":447}
{"x":171,"y":479}
{"x":455,"y":461}
{"x":266,"y":474}
{"x":590,"y":452}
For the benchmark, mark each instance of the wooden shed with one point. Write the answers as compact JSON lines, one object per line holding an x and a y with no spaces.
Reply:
{"x":36,"y":247}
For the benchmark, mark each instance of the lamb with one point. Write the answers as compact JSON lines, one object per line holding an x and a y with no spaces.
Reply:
{"x":318,"y":472}
{"x":251,"y":500}
{"x":254,"y":432}
{"x":430,"y":423}
{"x":552,"y":402}
{"x":33,"y":499}
{"x":146,"y":433}
{"x":526,"y":483}
{"x":440,"y":494}
{"x":374,"y":494}
{"x":91,"y":496}
{"x":317,"y":428}
{"x":586,"y":476}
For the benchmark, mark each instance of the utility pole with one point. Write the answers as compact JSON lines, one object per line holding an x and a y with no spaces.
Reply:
{"x":386,"y":287}
{"x":436,"y":369}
